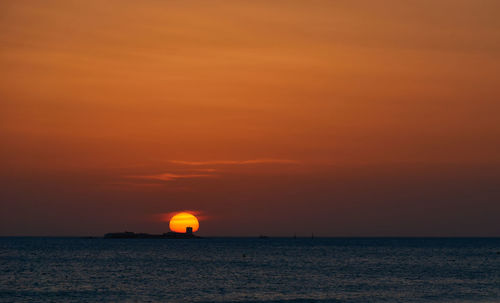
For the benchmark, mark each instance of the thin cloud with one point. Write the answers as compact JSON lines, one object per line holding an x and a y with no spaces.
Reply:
{"x":234,"y":162}
{"x":132,"y":184}
{"x":165,"y":217}
{"x":206,"y":170}
{"x":171,"y":176}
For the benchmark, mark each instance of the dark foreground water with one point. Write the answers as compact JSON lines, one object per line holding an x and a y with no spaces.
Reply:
{"x":250,"y":270}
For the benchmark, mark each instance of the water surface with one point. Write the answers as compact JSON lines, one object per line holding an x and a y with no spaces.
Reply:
{"x":250,"y":270}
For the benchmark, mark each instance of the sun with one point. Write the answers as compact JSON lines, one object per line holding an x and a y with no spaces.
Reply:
{"x":181,"y":221}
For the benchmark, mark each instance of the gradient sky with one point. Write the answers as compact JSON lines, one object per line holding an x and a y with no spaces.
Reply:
{"x":342,"y":118}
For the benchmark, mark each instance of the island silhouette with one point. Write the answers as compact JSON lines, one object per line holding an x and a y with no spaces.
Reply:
{"x":169,"y":235}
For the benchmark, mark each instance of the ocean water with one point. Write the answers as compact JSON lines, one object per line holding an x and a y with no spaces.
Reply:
{"x":250,"y":270}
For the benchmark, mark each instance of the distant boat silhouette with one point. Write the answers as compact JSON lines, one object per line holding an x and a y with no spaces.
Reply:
{"x":263,"y":237}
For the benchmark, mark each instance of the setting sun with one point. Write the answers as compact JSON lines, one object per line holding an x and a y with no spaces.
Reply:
{"x":181,"y":221}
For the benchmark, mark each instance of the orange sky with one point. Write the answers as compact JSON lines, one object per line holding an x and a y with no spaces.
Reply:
{"x":272,"y":117}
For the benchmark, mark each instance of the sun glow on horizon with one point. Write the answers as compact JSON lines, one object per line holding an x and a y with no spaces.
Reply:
{"x":180,"y":221}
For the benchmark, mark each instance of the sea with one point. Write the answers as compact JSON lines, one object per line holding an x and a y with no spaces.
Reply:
{"x":250,"y":270}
